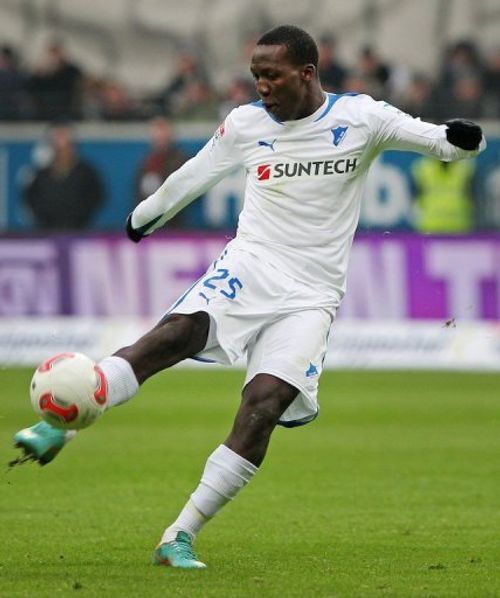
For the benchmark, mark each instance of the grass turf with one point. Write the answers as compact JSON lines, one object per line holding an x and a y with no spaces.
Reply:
{"x":393,"y":491}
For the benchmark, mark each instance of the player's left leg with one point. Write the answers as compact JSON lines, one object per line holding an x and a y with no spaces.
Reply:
{"x":173,"y":339}
{"x":229,"y":468}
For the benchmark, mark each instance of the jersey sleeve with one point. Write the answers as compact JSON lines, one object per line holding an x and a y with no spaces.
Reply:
{"x":213,"y":162}
{"x":396,"y":130}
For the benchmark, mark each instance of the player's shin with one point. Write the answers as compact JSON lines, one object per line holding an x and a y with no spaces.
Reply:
{"x":225,"y":474}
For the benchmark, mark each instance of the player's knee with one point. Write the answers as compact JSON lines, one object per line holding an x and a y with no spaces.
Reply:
{"x":265,"y":399}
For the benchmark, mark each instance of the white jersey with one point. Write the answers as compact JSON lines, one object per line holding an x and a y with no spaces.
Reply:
{"x":304,"y":181}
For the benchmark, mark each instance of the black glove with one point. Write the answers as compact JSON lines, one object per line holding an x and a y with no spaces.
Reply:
{"x":463,"y":133}
{"x":133,"y":234}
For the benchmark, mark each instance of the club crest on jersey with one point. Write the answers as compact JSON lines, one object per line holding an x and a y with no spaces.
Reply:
{"x":338,"y":135}
{"x":311,"y":371}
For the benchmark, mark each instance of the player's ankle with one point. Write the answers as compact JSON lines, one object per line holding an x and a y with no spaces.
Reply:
{"x":170,"y":534}
{"x":121,"y":380}
{"x":69,"y":435}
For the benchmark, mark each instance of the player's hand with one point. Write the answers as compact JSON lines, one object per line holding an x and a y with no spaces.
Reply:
{"x":133,"y":234}
{"x":463,"y":133}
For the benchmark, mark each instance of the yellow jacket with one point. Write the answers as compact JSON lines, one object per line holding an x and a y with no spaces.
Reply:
{"x":444,"y":203}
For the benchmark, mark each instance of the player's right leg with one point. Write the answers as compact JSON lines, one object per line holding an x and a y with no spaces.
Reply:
{"x":174,"y":338}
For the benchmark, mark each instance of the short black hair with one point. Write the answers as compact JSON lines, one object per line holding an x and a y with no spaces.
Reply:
{"x":301,"y":47}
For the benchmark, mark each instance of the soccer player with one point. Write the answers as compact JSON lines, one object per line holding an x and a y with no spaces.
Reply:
{"x":273,"y":292}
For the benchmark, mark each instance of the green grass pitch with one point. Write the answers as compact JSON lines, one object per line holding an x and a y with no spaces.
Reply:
{"x":393,"y":491}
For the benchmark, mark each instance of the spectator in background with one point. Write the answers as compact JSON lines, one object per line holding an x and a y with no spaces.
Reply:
{"x":163,"y":158}
{"x":198,"y":102}
{"x":460,"y":60}
{"x":188,"y":71}
{"x":55,"y":86}
{"x":461,"y":71}
{"x":355,"y":83}
{"x":13,"y":101}
{"x":418,"y":100}
{"x":444,"y":202}
{"x":115,"y":103}
{"x":91,"y":98}
{"x":240,"y":91}
{"x":66,"y":193}
{"x":242,"y":71}
{"x":466,"y":100}
{"x":492,"y":85}
{"x":375,"y":73}
{"x":332,"y":73}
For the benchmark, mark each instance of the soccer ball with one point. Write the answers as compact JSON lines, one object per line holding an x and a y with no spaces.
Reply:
{"x":69,"y":391}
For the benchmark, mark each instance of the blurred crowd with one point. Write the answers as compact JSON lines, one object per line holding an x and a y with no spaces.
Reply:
{"x":63,"y":191}
{"x":466,"y":85}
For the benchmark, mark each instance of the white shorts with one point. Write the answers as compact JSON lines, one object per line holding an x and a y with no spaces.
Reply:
{"x":280,"y":324}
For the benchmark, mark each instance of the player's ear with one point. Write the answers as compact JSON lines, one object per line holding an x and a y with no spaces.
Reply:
{"x":308,"y":72}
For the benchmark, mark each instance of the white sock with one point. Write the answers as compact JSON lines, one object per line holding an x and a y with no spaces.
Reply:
{"x":225,"y":474}
{"x":190,"y":520}
{"x":121,"y":380}
{"x":69,"y":435}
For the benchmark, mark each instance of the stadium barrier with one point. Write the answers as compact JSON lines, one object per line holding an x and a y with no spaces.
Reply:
{"x":391,"y":276}
{"x":378,"y":344}
{"x":412,"y":301}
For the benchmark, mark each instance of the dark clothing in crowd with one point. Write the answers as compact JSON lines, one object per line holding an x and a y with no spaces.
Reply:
{"x":332,"y":77}
{"x":332,"y":73}
{"x":13,"y":101}
{"x":12,"y":96}
{"x":63,"y":202}
{"x":56,"y":94}
{"x":492,"y":85}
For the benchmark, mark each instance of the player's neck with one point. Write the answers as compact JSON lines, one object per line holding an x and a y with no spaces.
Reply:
{"x":312,"y":102}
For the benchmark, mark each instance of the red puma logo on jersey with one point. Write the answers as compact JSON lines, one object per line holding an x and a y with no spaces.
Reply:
{"x":263,"y":172}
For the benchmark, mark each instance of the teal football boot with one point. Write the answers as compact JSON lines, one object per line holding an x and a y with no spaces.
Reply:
{"x":178,"y":553}
{"x":41,"y":443}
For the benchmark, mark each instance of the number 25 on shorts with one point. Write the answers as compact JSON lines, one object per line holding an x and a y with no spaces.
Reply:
{"x":232,"y":285}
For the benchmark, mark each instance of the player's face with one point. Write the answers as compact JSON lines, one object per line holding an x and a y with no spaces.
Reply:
{"x":282,"y":86}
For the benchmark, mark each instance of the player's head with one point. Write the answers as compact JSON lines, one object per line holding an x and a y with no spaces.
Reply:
{"x":301,"y":47}
{"x":62,"y":137}
{"x":284,"y":65}
{"x":162,"y":132}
